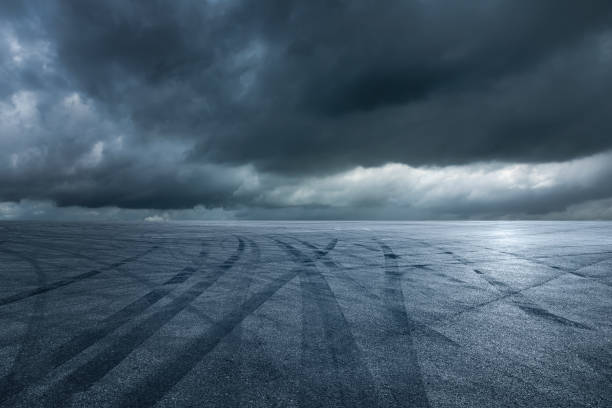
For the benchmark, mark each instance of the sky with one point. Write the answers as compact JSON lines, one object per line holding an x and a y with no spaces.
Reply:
{"x":280,"y":109}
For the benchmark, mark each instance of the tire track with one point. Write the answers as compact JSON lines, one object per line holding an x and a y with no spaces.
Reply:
{"x":340,"y":273}
{"x":70,"y":280}
{"x":534,"y":310}
{"x":57,"y":248}
{"x":536,"y":261}
{"x":173,"y":370}
{"x":30,"y":345}
{"x":530,"y":307}
{"x":515,"y":295}
{"x":29,"y":374}
{"x":369,"y":248}
{"x":231,"y":361}
{"x":565,"y":271}
{"x":333,"y":369}
{"x":406,"y":380}
{"x":319,"y":253}
{"x":95,"y":369}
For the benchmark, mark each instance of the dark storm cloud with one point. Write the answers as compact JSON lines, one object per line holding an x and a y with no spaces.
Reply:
{"x":305,"y":86}
{"x":170,"y":104}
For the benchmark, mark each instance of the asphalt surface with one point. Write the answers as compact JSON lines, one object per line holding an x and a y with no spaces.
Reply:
{"x":321,"y":314}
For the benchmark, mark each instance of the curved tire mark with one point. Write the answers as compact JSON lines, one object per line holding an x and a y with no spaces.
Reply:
{"x":333,"y":369}
{"x":11,"y":385}
{"x":406,"y":379}
{"x":30,"y":346}
{"x":153,"y":389}
{"x":340,"y":273}
{"x":231,"y":357}
{"x":70,"y":280}
{"x":91,"y":372}
{"x":521,"y":301}
{"x":516,"y":295}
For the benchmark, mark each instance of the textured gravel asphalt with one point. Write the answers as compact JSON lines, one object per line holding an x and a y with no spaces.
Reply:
{"x":306,"y":314}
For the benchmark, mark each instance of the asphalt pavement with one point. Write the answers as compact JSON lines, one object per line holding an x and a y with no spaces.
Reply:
{"x":306,"y":314}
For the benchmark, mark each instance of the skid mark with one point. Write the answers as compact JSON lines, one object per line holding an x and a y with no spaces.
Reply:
{"x":91,"y":372}
{"x":46,"y":362}
{"x":565,"y":271}
{"x":407,"y":384}
{"x":327,"y":341}
{"x":540,"y":257}
{"x":572,"y":272}
{"x":506,"y":291}
{"x":364,"y":260}
{"x":421,"y":266}
{"x":340,"y":273}
{"x":434,"y":335}
{"x":57,"y":249}
{"x":306,"y":243}
{"x":229,"y":262}
{"x":369,"y":248}
{"x":68,"y":281}
{"x":231,"y":361}
{"x":174,"y":369}
{"x":519,"y":300}
{"x":420,"y":327}
{"x":499,"y":285}
{"x":536,"y":311}
{"x":181,"y":276}
{"x":320,"y":253}
{"x":461,"y":260}
{"x":30,"y":345}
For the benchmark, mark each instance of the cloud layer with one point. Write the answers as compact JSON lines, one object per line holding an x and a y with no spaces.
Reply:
{"x":341,"y":109}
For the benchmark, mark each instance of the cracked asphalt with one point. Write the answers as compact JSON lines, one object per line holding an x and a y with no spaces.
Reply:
{"x":306,"y":314}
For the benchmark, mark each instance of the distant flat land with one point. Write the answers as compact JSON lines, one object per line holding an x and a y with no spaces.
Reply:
{"x":306,"y":314}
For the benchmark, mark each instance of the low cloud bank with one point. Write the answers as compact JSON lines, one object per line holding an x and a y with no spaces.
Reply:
{"x":575,"y":189}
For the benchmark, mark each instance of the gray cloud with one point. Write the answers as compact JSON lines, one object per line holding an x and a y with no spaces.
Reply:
{"x":171,"y":105}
